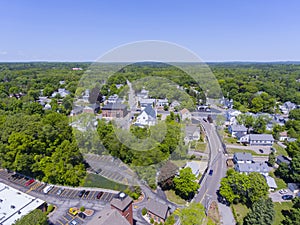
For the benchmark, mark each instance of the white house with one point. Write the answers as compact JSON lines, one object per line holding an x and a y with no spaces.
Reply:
{"x":242,"y":157}
{"x":185,"y":114}
{"x":147,"y":117}
{"x":195,"y":166}
{"x":147,"y":101}
{"x":247,"y":168}
{"x":192,"y":133}
{"x":237,"y":131}
{"x":258,"y":139}
{"x":162,"y":102}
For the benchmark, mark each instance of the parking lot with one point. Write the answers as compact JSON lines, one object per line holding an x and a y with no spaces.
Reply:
{"x":68,"y":219}
{"x":59,"y":192}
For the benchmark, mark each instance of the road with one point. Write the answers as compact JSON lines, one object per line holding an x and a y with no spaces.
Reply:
{"x":211,"y":183}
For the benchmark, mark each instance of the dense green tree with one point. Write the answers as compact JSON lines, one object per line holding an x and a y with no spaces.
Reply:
{"x":294,"y":114}
{"x":185,"y":184}
{"x":292,"y":217}
{"x":262,"y":213}
{"x":272,"y":159}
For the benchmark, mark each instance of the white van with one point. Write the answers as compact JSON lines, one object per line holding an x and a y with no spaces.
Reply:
{"x":48,"y":188}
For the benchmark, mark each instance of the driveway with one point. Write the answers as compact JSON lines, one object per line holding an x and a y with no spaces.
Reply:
{"x":277,"y":197}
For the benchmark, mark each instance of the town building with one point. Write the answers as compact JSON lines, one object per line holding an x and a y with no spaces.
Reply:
{"x":123,"y":204}
{"x":157,"y":211}
{"x":258,"y":139}
{"x":147,"y":117}
{"x":237,"y":131}
{"x":114,"y":110}
{"x":147,"y":101}
{"x":108,"y":217}
{"x":195,"y":167}
{"x":271,"y":183}
{"x":283,"y":159}
{"x":185,"y":114}
{"x":247,"y":168}
{"x":113,"y":99}
{"x":242,"y":157}
{"x":14,"y":204}
{"x":192,"y":133}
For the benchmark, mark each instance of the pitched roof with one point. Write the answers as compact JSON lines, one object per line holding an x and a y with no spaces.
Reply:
{"x":121,"y":202}
{"x":150,"y":111}
{"x":243,"y":156}
{"x":190,"y":130}
{"x":183,"y":111}
{"x":108,"y":217}
{"x":271,"y":182}
{"x":261,"y":137}
{"x":157,"y":208}
{"x":253,"y":167}
{"x":238,"y":128}
{"x":283,"y":159}
{"x":194,"y":166}
{"x":114,"y":106}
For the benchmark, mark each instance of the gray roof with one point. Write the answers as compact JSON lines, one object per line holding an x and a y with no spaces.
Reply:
{"x":283,"y":159}
{"x":271,"y":182}
{"x":253,"y":167}
{"x":190,"y":130}
{"x":243,"y":156}
{"x":261,"y":137}
{"x":108,"y":217}
{"x":147,"y":101}
{"x":121,"y":203}
{"x":115,"y":106}
{"x":150,"y":111}
{"x":157,"y":208}
{"x":238,"y":128}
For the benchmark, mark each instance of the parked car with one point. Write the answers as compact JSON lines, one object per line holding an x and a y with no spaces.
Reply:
{"x":283,"y":191}
{"x":86,"y":193}
{"x":80,"y":193}
{"x":99,"y":194}
{"x":82,"y":215}
{"x":73,"y":222}
{"x":29,"y":182}
{"x":261,"y":150}
{"x":48,"y":188}
{"x":60,"y":191}
{"x":287,"y":197}
{"x":211,"y":172}
{"x":73,"y":211}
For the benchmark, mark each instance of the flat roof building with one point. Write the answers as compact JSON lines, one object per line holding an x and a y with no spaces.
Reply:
{"x":14,"y":204}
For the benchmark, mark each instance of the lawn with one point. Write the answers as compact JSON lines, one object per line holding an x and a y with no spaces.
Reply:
{"x":94,"y":180}
{"x":174,"y":198}
{"x":230,"y":140}
{"x":234,"y":150}
{"x":239,"y":211}
{"x":179,"y":163}
{"x":200,"y":147}
{"x":278,"y":206}
{"x":280,"y":150}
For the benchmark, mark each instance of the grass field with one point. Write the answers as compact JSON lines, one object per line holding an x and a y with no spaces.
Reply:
{"x":200,"y":147}
{"x":94,"y":180}
{"x":240,"y":212}
{"x":280,"y":150}
{"x":234,"y":150}
{"x":175,"y":198}
{"x":278,"y":206}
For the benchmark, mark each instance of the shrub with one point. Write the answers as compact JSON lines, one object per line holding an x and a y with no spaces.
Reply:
{"x":151,"y":220}
{"x":144,"y":211}
{"x":82,"y":209}
{"x":50,"y":208}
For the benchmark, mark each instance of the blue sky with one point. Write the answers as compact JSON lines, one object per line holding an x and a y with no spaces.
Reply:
{"x":217,"y":30}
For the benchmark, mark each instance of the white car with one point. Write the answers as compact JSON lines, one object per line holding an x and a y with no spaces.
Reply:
{"x":48,"y":188}
{"x":283,"y":191}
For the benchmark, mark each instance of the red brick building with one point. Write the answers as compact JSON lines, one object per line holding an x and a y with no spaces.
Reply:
{"x":123,"y":204}
{"x":114,"y":110}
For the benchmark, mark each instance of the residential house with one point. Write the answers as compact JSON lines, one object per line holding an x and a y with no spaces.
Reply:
{"x":271,"y":183}
{"x":113,"y":99}
{"x":242,"y":157}
{"x":247,"y":168}
{"x":147,"y":101}
{"x":283,"y":136}
{"x":258,"y":139}
{"x":237,"y":131}
{"x":287,"y":107}
{"x":147,"y":117}
{"x":43,"y":100}
{"x":175,"y":104}
{"x":192,"y":133}
{"x":160,"y":103}
{"x":143,"y":94}
{"x":76,"y":110}
{"x":108,"y":217}
{"x":226,"y":103}
{"x":294,"y":187}
{"x":185,"y":114}
{"x":283,"y":159}
{"x":62,"y":82}
{"x":76,"y":68}
{"x":195,"y":166}
{"x":114,"y":110}
{"x":231,"y":115}
{"x":61,"y":91}
{"x":86,"y":95}
{"x":157,"y":211}
{"x":123,"y":204}
{"x":47,"y":107}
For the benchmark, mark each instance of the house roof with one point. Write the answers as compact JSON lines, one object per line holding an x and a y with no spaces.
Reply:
{"x":271,"y":182}
{"x":150,"y":111}
{"x":121,"y":201}
{"x":147,"y":101}
{"x":253,"y":167}
{"x":157,"y":208}
{"x":194,"y":166}
{"x":108,"y":217}
{"x":261,"y":137}
{"x":183,"y":111}
{"x":283,"y":159}
{"x":114,"y":106}
{"x":190,"y":130}
{"x":243,"y":156}
{"x":238,"y":128}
